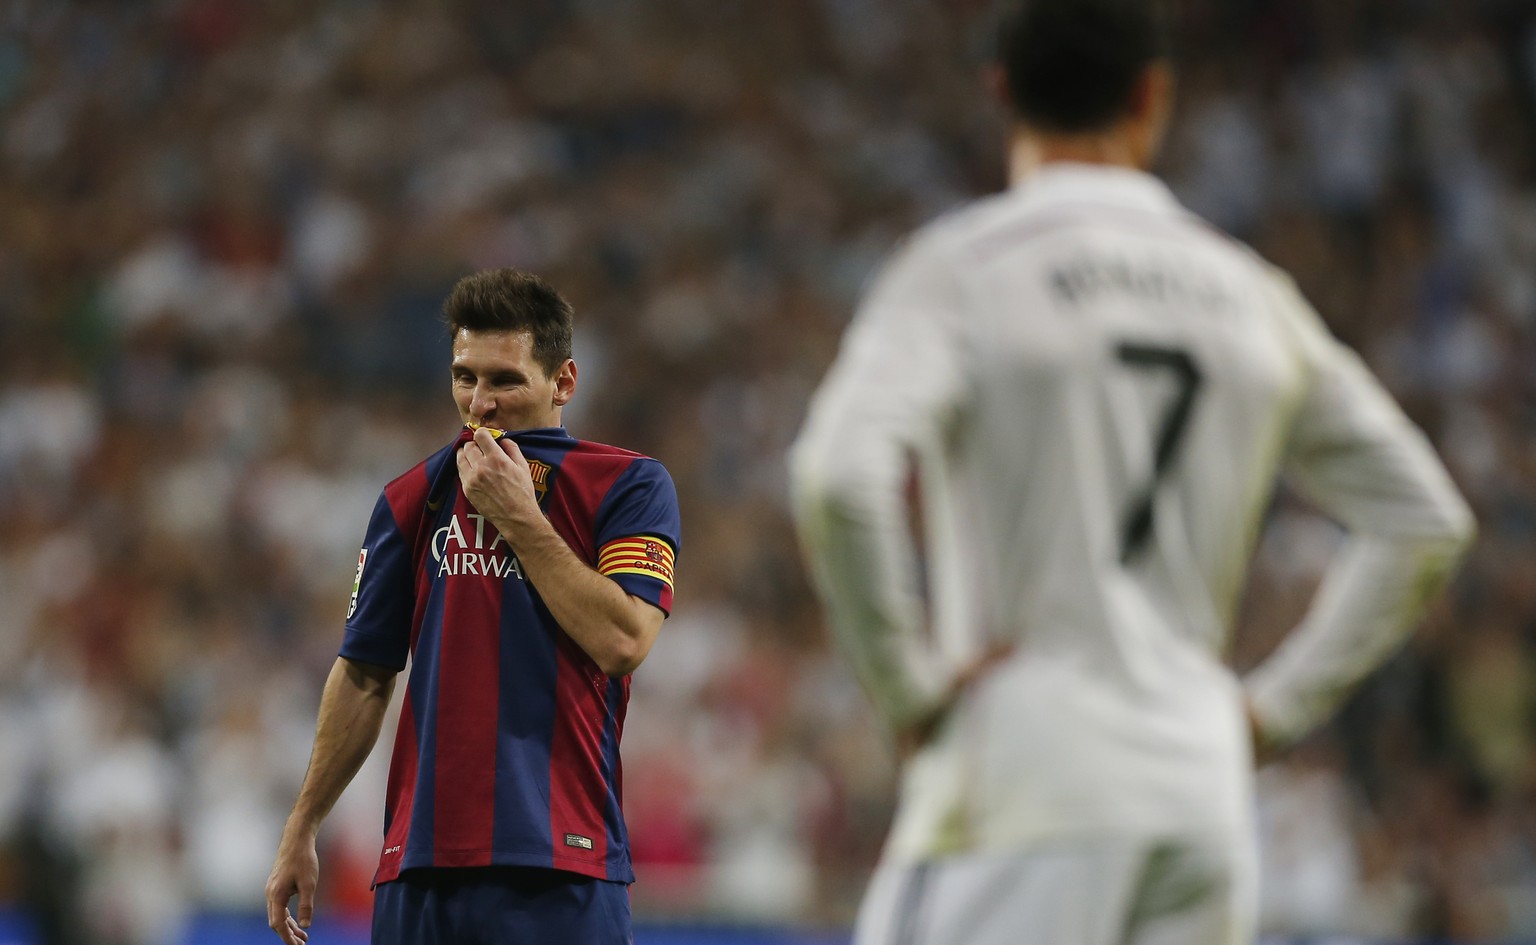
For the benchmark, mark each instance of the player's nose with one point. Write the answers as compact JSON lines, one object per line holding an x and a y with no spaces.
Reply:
{"x":483,"y":404}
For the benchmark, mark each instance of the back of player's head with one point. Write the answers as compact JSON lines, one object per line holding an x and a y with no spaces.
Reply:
{"x":1072,"y":65}
{"x":512,"y":300}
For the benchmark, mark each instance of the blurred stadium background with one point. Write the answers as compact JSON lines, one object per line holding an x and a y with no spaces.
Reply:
{"x":225,"y":227}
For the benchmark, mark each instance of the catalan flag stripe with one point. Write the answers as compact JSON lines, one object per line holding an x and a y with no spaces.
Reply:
{"x":660,"y":568}
{"x":662,"y":553}
{"x":604,"y":560}
{"x":651,"y":557}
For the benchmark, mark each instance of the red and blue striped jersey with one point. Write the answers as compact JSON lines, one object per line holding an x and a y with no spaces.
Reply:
{"x":507,"y":751}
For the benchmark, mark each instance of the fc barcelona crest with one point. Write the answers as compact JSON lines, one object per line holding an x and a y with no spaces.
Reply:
{"x":540,"y":473}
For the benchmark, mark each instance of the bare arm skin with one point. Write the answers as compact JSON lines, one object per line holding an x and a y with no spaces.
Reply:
{"x":612,"y":626}
{"x":351,"y":714}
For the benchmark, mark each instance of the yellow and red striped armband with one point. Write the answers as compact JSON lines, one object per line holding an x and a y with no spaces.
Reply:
{"x":649,"y":556}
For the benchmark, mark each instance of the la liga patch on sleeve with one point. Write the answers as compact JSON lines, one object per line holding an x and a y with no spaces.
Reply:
{"x":357,"y":582}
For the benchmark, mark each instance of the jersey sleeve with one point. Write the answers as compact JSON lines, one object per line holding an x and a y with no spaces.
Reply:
{"x":897,"y":384}
{"x":383,"y":594}
{"x":639,"y":533}
{"x":1353,"y":452}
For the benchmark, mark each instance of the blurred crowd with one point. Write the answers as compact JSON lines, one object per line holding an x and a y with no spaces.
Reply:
{"x":225,"y":230}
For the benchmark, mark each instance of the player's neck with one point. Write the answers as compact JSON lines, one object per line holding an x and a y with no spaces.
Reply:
{"x":1029,"y":151}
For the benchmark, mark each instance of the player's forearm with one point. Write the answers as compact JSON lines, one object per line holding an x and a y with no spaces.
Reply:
{"x":1373,"y":595}
{"x":604,"y":620}
{"x":1364,"y":463}
{"x":859,"y":548}
{"x":352,"y":711}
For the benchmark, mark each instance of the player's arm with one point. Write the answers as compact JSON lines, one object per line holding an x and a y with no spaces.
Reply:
{"x":887,"y":398}
{"x":1354,"y":453}
{"x":351,"y":713}
{"x":615,"y":628}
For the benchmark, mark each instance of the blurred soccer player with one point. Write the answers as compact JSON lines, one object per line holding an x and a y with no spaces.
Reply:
{"x":1097,"y":392}
{"x":527,"y":574}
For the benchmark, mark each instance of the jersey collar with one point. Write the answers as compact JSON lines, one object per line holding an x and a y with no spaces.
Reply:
{"x":1068,"y":182}
{"x":545,"y":435}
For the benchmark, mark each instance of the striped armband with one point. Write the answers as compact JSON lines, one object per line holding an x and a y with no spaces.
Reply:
{"x":648,"y":556}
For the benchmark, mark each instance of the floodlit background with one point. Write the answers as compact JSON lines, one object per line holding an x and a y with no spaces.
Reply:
{"x":225,"y":228}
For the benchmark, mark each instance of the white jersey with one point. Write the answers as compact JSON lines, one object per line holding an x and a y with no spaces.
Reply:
{"x":1097,"y":392}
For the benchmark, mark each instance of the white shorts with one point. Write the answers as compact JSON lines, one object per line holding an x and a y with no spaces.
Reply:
{"x":1167,"y":892}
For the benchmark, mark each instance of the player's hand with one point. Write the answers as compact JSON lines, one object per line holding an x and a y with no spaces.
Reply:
{"x":296,"y":872}
{"x":911,"y":738}
{"x":497,"y":480}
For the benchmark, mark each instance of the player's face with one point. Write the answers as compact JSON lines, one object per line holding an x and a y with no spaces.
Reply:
{"x":497,"y":383}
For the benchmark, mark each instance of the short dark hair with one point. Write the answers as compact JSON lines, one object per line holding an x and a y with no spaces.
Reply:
{"x":1071,"y":64}
{"x":513,"y":300}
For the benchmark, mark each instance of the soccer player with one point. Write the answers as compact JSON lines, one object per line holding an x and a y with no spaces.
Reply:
{"x":1095,"y":393}
{"x":526,"y":573}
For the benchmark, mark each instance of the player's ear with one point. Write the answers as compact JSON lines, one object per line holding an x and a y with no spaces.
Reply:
{"x":565,"y":383}
{"x":1151,"y":108}
{"x":995,"y":79}
{"x":1152,"y":95}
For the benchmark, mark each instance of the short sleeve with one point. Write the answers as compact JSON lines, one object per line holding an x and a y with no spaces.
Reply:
{"x":383,"y":595}
{"x":638,"y":533}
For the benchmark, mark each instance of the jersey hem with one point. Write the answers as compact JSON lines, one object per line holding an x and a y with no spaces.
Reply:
{"x":653,"y":591}
{"x":366,"y":647}
{"x":620,"y":873}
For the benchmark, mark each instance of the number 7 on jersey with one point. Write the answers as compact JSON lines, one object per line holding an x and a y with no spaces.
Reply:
{"x":1138,"y":517}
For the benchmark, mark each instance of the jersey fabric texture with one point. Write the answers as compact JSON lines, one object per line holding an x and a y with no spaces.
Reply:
{"x":1097,"y":391}
{"x":507,"y":751}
